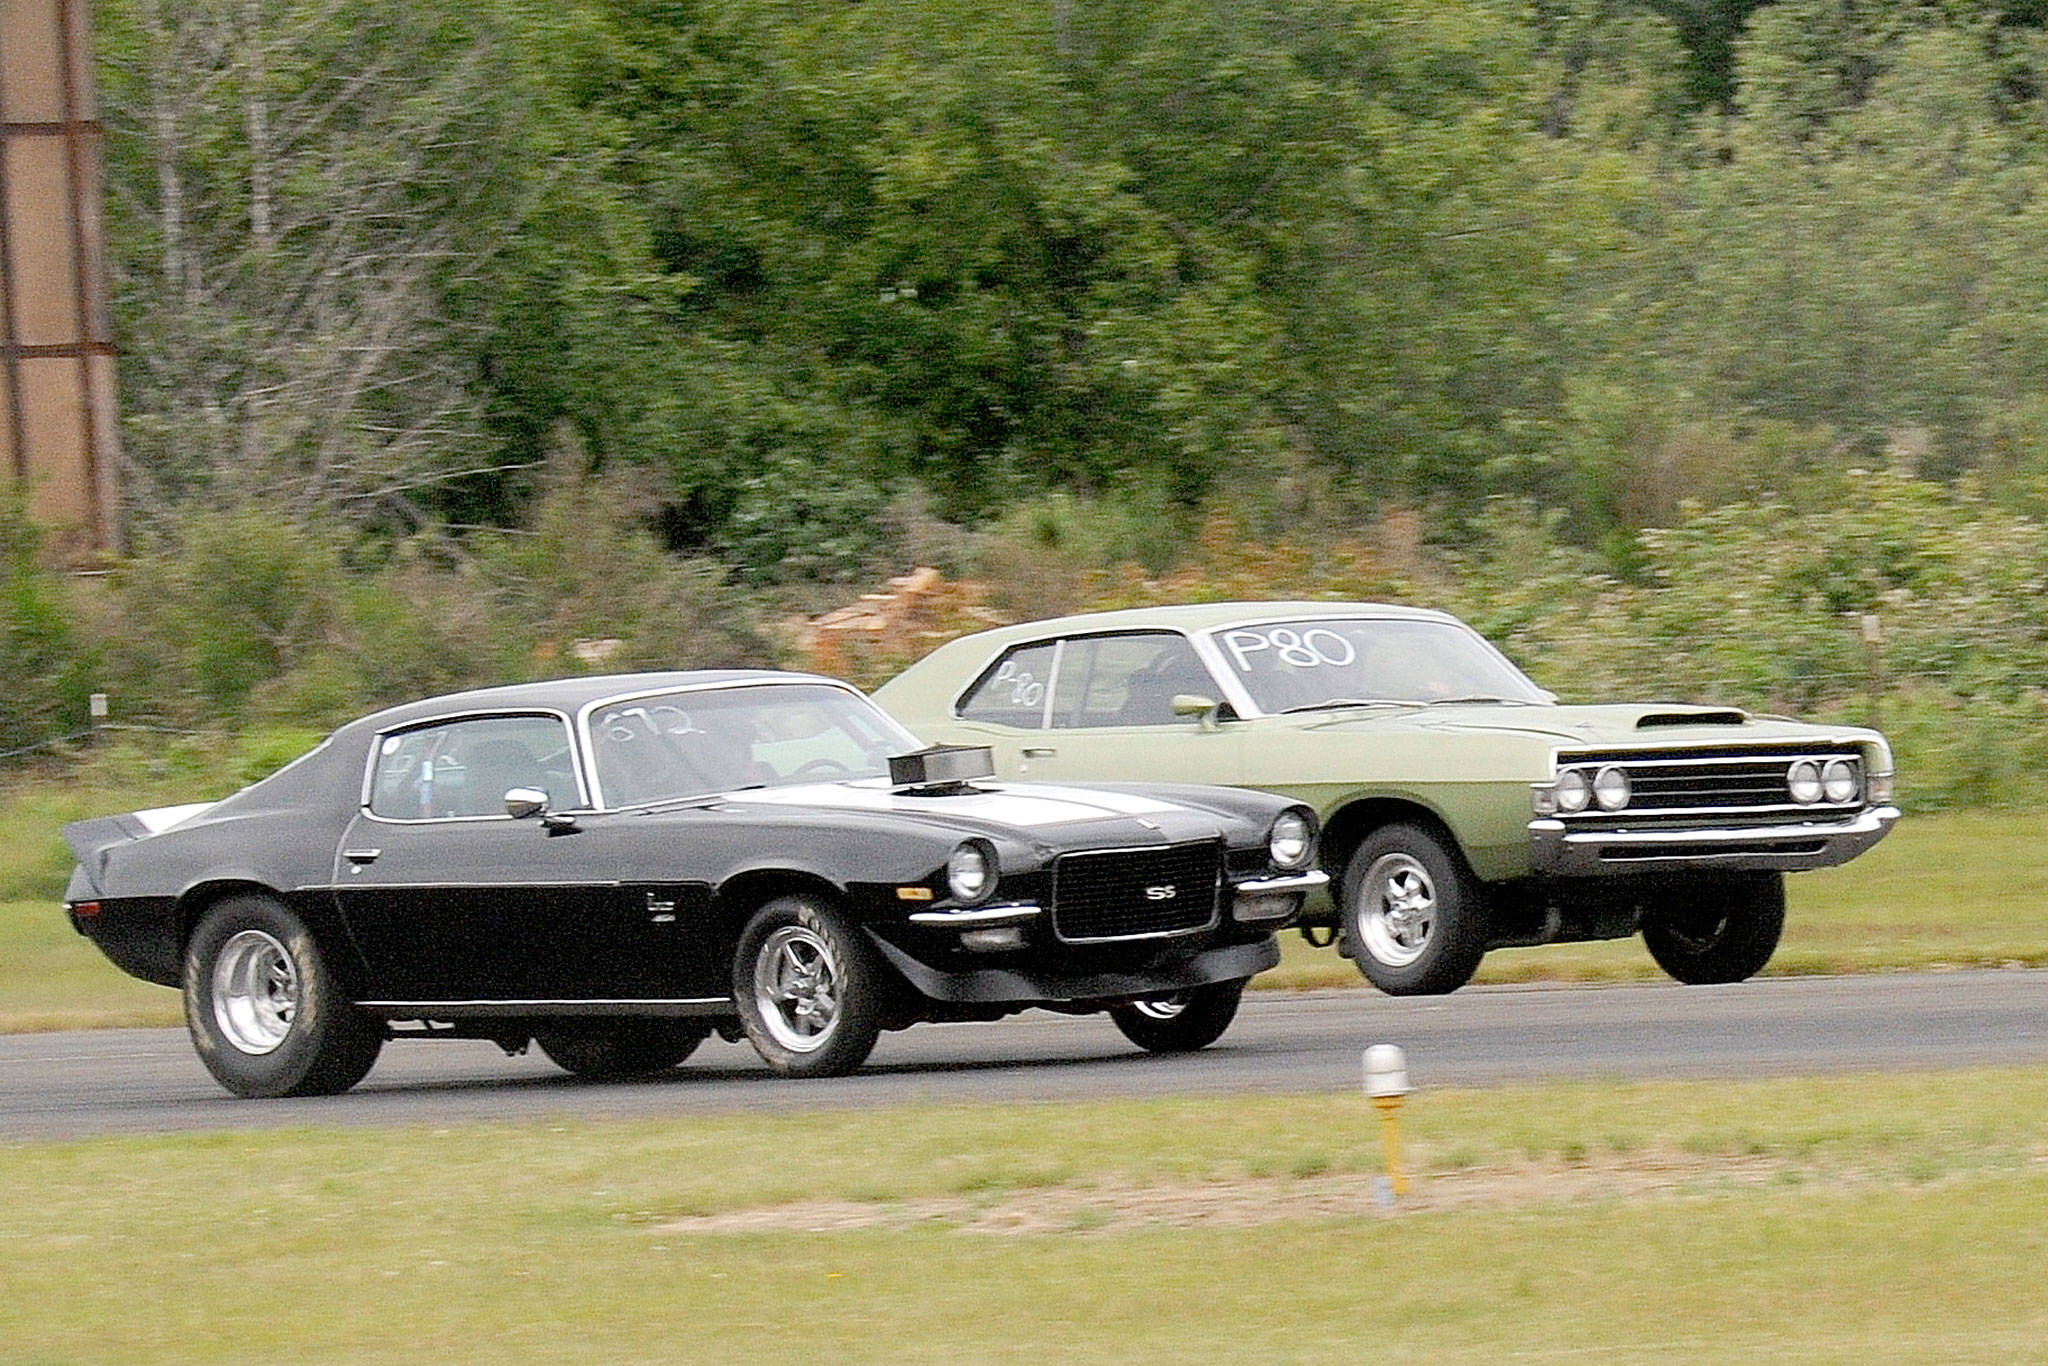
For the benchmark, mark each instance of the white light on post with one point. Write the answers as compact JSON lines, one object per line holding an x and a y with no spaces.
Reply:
{"x":1386,"y":1072}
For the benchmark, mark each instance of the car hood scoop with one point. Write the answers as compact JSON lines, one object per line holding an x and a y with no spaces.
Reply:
{"x":1691,"y":716}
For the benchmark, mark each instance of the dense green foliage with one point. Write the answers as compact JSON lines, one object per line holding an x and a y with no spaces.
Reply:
{"x":375,"y":260}
{"x":455,"y":334}
{"x":43,"y":666}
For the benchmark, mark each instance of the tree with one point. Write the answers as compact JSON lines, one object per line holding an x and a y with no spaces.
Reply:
{"x":309,"y":198}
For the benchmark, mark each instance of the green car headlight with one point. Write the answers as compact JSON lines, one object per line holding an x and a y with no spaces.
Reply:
{"x":1840,"y":781}
{"x":1803,"y":781}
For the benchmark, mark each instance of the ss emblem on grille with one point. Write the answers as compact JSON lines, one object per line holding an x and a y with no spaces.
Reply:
{"x":1167,"y":893}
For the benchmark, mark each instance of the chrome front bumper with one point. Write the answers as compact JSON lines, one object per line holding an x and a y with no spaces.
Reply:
{"x":1559,"y":849}
{"x":1273,"y":901}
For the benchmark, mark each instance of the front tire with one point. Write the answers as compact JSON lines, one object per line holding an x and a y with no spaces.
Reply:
{"x":1181,"y":1022}
{"x":809,"y":989}
{"x":265,"y":1012}
{"x":1414,"y":917}
{"x":610,"y":1049}
{"x":1723,"y":930}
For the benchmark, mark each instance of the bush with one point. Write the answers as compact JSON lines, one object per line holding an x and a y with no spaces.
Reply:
{"x":227,"y":603}
{"x":45,"y":670}
{"x":243,"y":617}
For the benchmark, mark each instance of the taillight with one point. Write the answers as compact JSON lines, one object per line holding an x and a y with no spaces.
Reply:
{"x":85,"y":910}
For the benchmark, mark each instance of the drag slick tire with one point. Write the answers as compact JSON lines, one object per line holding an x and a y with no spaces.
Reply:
{"x":265,"y":1012}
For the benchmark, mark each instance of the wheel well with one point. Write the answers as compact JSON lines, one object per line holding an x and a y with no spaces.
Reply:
{"x":197,"y":901}
{"x":328,"y":931}
{"x":739,"y":898}
{"x":1352,"y":825}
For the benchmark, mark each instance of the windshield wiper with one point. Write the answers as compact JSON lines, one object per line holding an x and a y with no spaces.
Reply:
{"x":1478,"y":699}
{"x":1349,"y":702}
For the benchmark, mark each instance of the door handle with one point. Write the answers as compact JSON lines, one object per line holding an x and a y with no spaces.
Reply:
{"x":361,"y":856}
{"x":1040,"y":752}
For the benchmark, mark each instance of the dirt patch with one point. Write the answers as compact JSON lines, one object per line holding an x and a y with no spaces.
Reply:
{"x":1250,"y":1201}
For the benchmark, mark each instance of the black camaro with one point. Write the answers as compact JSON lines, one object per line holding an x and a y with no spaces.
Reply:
{"x":614,"y":867}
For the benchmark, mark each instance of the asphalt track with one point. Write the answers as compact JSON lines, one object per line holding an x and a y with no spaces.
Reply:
{"x":87,"y":1084}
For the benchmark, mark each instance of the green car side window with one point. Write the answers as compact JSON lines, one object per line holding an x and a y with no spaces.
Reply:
{"x":1015,"y":689}
{"x":1126,"y":680}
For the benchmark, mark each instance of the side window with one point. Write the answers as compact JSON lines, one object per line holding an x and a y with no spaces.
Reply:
{"x":1127,"y":680}
{"x":1012,"y":692}
{"x":464,"y":768}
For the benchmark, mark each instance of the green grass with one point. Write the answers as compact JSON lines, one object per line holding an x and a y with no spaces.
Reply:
{"x":1886,"y":1218}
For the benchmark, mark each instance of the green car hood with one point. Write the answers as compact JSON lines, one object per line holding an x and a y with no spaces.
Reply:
{"x":1475,"y":742}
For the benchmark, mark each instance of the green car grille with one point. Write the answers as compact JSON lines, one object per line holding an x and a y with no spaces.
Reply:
{"x":1679,"y":788}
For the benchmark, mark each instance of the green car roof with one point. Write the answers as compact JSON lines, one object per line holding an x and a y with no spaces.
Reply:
{"x":1203,"y":616}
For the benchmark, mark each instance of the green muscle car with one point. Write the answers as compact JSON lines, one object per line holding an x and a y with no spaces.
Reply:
{"x":1464,"y":808}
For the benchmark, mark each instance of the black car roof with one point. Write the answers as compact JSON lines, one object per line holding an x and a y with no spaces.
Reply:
{"x":572,"y":694}
{"x":332,"y":772}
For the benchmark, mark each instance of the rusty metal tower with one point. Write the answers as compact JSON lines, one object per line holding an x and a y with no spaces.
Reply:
{"x":58,"y":432}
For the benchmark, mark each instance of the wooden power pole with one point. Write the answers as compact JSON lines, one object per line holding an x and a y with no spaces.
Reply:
{"x":59,"y":441}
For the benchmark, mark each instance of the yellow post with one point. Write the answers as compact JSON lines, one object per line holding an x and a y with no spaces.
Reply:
{"x":1386,"y":1083}
{"x":1390,"y":1131}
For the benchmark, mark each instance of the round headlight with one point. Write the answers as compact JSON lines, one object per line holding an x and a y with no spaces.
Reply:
{"x":1610,"y":788}
{"x":1804,"y":782}
{"x":969,"y":873}
{"x":1291,"y":841}
{"x":1839,"y":781}
{"x":1573,"y":791}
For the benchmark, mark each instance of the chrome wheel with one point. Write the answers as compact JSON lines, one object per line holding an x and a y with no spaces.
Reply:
{"x":256,"y":992}
{"x":1397,"y":909}
{"x":797,"y":988}
{"x":266,"y":1015}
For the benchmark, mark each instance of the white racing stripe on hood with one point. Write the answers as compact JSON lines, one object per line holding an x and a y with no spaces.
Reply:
{"x":1029,"y":806}
{"x":158,"y":819}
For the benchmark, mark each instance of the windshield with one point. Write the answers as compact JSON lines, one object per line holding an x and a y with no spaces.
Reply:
{"x":1334,"y":661}
{"x":690,"y":744}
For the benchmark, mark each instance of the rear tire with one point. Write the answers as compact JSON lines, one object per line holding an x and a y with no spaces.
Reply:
{"x":1181,"y":1022}
{"x":1722,"y":930}
{"x":265,"y":1012}
{"x":605,"y":1050}
{"x":809,"y":988}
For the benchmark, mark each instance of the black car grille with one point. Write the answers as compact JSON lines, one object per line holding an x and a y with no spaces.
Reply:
{"x":1674,"y":789}
{"x":1136,"y":893}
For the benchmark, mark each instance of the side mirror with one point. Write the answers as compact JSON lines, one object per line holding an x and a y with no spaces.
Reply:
{"x":1207,"y":711}
{"x":522,"y":803}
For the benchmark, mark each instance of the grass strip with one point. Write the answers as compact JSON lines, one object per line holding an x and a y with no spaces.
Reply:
{"x":1880,"y":1218}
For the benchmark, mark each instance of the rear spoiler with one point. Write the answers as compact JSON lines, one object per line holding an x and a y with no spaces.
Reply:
{"x":90,"y":840}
